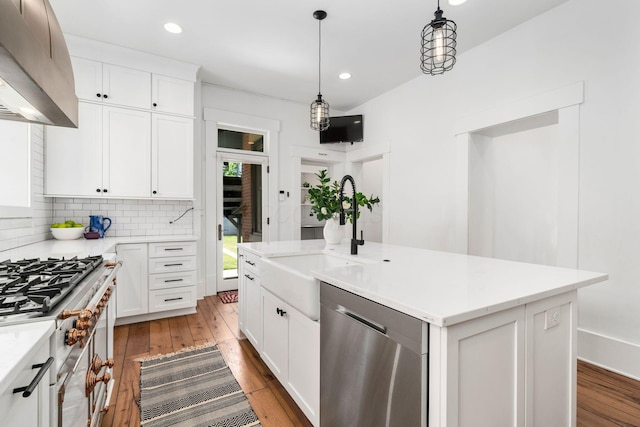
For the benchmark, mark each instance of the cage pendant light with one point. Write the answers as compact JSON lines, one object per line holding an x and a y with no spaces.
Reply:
{"x":438,"y":45}
{"x":319,"y":107}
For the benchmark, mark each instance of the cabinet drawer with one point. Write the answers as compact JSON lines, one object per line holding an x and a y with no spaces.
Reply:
{"x":172,"y":299}
{"x":172,"y":280}
{"x":32,"y":410}
{"x":251,"y":262}
{"x":172,"y":264}
{"x":167,"y":249}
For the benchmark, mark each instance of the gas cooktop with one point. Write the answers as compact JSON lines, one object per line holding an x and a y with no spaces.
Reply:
{"x":36,"y":286}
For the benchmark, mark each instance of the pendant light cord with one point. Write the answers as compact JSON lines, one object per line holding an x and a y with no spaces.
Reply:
{"x":319,"y":53}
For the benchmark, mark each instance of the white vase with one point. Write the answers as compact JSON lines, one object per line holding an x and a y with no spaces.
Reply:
{"x":333,"y":231}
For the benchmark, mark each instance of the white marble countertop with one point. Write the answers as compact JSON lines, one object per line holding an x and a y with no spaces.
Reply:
{"x":16,"y":343}
{"x":83,"y":247}
{"x":439,"y":287}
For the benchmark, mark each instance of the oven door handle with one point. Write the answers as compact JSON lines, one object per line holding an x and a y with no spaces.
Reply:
{"x":44,"y":367}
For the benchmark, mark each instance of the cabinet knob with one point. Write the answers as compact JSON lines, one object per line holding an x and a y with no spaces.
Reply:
{"x":105,"y":96}
{"x":154,"y":192}
{"x":155,"y":104}
{"x":98,"y":190}
{"x":104,"y":190}
{"x":98,"y":95}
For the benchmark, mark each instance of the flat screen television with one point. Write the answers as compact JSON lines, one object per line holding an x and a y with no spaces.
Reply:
{"x":343,"y":129}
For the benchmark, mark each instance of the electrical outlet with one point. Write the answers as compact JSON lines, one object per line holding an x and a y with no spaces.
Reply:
{"x":551,"y":318}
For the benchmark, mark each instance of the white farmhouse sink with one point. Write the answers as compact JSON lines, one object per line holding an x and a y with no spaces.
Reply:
{"x":290,"y":278}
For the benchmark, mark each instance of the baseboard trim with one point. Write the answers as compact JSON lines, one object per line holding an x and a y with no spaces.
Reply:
{"x":609,"y":353}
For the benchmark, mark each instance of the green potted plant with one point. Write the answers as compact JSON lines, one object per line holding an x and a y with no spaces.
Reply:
{"x":325,"y":204}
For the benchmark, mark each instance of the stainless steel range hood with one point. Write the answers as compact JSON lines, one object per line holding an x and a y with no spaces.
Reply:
{"x":36,"y":78}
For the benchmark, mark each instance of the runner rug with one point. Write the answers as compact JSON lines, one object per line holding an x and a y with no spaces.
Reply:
{"x":192,"y":388}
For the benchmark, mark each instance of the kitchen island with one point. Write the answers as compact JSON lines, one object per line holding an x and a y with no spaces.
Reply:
{"x":501,"y":340}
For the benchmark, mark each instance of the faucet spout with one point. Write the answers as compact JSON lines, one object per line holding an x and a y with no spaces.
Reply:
{"x":355,"y":242}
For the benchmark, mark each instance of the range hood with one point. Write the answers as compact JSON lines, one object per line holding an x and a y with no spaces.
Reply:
{"x":36,"y":78}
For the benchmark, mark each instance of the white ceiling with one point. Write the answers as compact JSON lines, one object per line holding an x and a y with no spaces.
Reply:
{"x":271,"y":47}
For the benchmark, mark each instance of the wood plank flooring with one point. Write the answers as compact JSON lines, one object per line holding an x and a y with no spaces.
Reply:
{"x":605,"y":399}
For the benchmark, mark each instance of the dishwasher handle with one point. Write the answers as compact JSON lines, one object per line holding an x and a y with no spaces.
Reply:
{"x":370,"y":323}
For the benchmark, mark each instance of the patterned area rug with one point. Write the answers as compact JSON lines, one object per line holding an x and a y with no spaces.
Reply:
{"x":228,"y":296}
{"x":193,"y":388}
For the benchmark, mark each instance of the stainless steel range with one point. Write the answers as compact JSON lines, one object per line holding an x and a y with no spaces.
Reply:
{"x":76,"y":293}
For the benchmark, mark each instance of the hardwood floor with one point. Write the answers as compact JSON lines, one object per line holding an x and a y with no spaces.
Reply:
{"x":604,"y":398}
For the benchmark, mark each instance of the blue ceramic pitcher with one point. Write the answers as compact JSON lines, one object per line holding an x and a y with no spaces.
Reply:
{"x":97,"y":224}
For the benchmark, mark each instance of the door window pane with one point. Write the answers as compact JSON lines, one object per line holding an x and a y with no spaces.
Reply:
{"x":240,"y":140}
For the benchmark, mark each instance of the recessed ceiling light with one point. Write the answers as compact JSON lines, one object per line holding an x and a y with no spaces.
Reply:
{"x":344,"y":76}
{"x":456,"y":2}
{"x":173,"y":28}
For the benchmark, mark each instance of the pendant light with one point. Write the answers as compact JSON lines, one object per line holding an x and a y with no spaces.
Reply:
{"x":319,"y":107}
{"x":438,"y":45}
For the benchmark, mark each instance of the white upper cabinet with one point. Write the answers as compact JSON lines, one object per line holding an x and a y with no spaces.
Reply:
{"x":172,"y":157}
{"x":126,"y":86}
{"x":111,"y":84}
{"x":107,"y":156}
{"x":73,"y":157}
{"x":171,"y":95}
{"x":126,"y":148}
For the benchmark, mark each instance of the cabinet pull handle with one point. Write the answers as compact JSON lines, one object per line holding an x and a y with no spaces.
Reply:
{"x":172,"y":299}
{"x":248,"y":277}
{"x":250,"y":263}
{"x":44,"y":367}
{"x":173,"y":265}
{"x":280,"y":311}
{"x":173,"y":280}
{"x":219,"y":231}
{"x":173,"y":249}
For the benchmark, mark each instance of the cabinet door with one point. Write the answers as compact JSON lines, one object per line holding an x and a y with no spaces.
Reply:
{"x":126,"y":152}
{"x":73,"y":157}
{"x":170,"y":95}
{"x":252,"y":308}
{"x":172,"y":157}
{"x":33,"y":410}
{"x":126,"y":86}
{"x":132,"y":296}
{"x":275,"y":340}
{"x":304,"y":364}
{"x":87,"y":75}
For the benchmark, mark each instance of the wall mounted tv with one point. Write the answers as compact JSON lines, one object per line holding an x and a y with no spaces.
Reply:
{"x":343,"y":129}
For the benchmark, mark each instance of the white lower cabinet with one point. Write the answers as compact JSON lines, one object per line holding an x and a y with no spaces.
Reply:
{"x":33,"y":410}
{"x":156,"y":280}
{"x":291,"y":349}
{"x":133,"y":292}
{"x":249,"y":298}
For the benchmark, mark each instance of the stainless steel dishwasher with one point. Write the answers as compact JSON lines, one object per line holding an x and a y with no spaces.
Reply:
{"x":374,"y":367}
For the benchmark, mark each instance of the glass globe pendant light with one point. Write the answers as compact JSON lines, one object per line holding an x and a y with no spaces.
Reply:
{"x":438,"y":45}
{"x":319,"y":107}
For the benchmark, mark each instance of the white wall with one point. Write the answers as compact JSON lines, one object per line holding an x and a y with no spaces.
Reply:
{"x":16,"y":232}
{"x":552,"y":51}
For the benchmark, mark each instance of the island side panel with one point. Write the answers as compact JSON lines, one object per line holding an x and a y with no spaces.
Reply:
{"x":516,"y":367}
{"x":481,"y":378}
{"x":551,"y":355}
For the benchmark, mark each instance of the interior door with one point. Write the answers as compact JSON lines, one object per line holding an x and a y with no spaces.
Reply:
{"x":242,"y":210}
